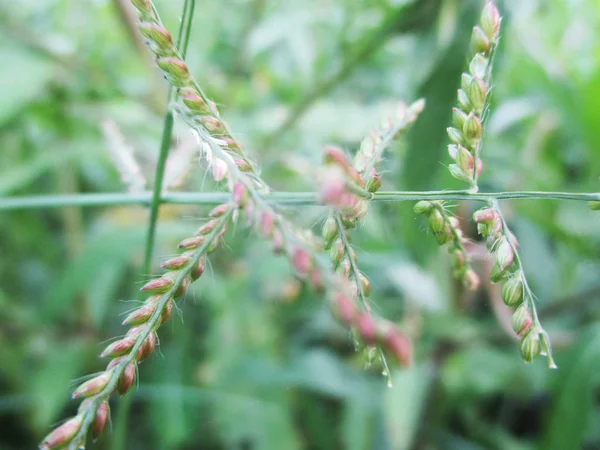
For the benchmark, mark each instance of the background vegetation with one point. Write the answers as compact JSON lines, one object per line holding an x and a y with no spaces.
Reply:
{"x":256,"y":362}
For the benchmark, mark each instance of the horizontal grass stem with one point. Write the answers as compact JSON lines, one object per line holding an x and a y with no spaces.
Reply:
{"x":283,"y":198}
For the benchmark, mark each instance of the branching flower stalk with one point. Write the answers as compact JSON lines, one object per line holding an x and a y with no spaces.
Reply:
{"x":342,"y":187}
{"x":228,"y":161}
{"x":473,"y":96}
{"x":196,"y":108}
{"x":348,"y":190}
{"x":466,"y":138}
{"x":139,"y":342}
{"x":516,"y":292}
{"x":466,"y":135}
{"x":304,"y":253}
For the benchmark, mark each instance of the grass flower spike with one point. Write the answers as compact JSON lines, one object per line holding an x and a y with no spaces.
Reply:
{"x":347,"y":188}
{"x":138,"y":343}
{"x":468,"y":116}
{"x":516,"y":292}
{"x":328,"y":266}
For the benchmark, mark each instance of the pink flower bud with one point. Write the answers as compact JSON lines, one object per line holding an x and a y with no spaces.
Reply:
{"x":198,"y":270}
{"x":207,"y":228}
{"x":478,"y":68}
{"x":485,"y":215}
{"x":239,"y":194}
{"x":92,"y":386}
{"x":329,"y":231}
{"x":370,"y":143}
{"x":140,"y":315}
{"x":344,"y":309}
{"x":266,"y":223}
{"x":479,"y":41}
{"x":220,"y":210}
{"x":166,"y":312}
{"x":512,"y":239}
{"x":175,"y":69}
{"x":530,"y":345}
{"x":126,"y":379}
{"x":453,"y":151}
{"x":455,"y":135}
{"x":147,"y":347}
{"x":333,"y":187}
{"x":231,"y":144}
{"x":399,"y":345}
{"x":477,"y":92}
{"x":143,"y":6}
{"x":458,"y":118}
{"x":521,"y":320}
{"x":359,"y":209}
{"x":464,"y":160}
{"x":458,"y":173}
{"x":335,"y":155}
{"x":504,"y":254}
{"x":243,"y":165}
{"x":158,"y":285}
{"x":355,"y":176}
{"x":193,"y":100}
{"x":114,"y":362}
{"x":100,"y":420}
{"x":423,"y":207}
{"x":183,"y":287}
{"x":490,"y":21}
{"x":219,"y":169}
{"x":366,"y":284}
{"x":336,"y":252}
{"x":366,"y":328}
{"x":301,"y":261}
{"x":277,"y":241}
{"x":316,"y":280}
{"x":135,"y":331}
{"x":436,"y":222}
{"x":416,"y":108}
{"x":62,"y":435}
{"x":345,"y":267}
{"x":374,"y":184}
{"x":471,"y":280}
{"x":463,"y":100}
{"x":119,"y":347}
{"x":191,"y":243}
{"x":594,"y":205}
{"x":176,"y":263}
{"x":472,"y":128}
{"x":212,"y":124}
{"x":512,"y":291}
{"x":360,"y":161}
{"x":162,"y":44}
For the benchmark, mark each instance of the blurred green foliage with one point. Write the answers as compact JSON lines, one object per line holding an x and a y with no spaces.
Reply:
{"x":255,"y":361}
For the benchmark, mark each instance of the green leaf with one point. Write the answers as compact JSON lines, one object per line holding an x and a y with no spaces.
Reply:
{"x":50,"y":385}
{"x":18,"y":91}
{"x":573,"y":410}
{"x":403,"y":404}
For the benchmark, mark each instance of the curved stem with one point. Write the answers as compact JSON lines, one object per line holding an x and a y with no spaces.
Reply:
{"x":165,"y":144}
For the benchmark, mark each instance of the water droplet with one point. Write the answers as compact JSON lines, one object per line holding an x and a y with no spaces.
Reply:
{"x":384,"y":373}
{"x":389,"y":383}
